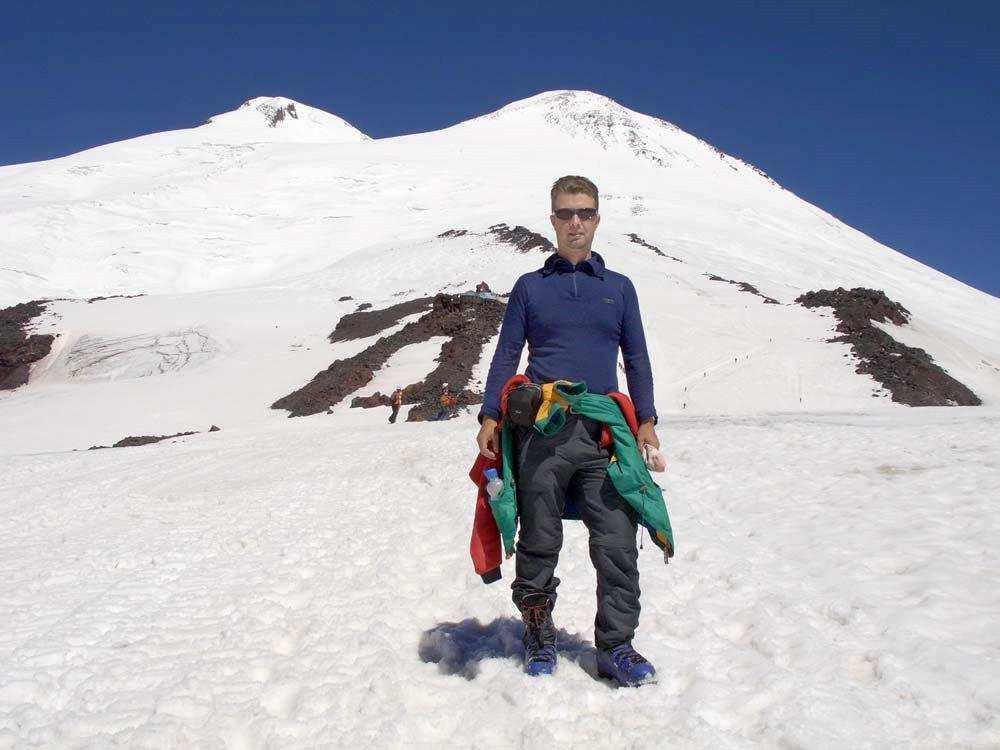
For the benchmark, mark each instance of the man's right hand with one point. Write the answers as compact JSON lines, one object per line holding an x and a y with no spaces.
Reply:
{"x":489,"y":438}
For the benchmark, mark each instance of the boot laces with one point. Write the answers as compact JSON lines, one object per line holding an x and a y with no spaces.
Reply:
{"x":627,"y":656}
{"x":539,"y":633}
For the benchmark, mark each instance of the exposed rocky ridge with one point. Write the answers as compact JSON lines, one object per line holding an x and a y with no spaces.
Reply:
{"x":18,"y":349}
{"x":364,"y":323}
{"x":278,"y":114}
{"x":91,"y":300}
{"x":745,"y":287}
{"x":134,"y":440}
{"x":522,"y":238}
{"x":469,"y":320}
{"x":910,"y":374}
{"x":640,"y":241}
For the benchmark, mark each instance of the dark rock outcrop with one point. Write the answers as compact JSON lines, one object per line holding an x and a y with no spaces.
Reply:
{"x":18,"y":349}
{"x":522,"y":238}
{"x":364,"y":323}
{"x":134,"y":440}
{"x":91,"y":300}
{"x":908,"y":373}
{"x":468,"y":320}
{"x":640,"y":241}
{"x":370,"y":402}
{"x":745,"y":287}
{"x":278,"y":114}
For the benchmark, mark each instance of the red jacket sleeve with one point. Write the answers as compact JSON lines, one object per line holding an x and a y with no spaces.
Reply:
{"x":485,"y":546}
{"x":628,"y":410}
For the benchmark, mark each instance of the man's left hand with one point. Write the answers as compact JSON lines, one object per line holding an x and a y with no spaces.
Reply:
{"x":647,"y":435}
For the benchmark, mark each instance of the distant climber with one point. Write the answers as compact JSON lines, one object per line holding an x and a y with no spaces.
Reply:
{"x":395,"y":401}
{"x":448,"y":402}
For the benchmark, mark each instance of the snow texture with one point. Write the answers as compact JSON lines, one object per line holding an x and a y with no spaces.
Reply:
{"x":835,"y":585}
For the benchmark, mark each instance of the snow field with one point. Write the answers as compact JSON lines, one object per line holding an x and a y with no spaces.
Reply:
{"x":835,"y":585}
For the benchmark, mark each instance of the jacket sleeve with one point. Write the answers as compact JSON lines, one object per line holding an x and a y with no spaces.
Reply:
{"x":513,"y":332}
{"x":638,"y":372}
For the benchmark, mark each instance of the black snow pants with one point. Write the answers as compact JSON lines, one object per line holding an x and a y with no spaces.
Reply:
{"x":572,"y":463}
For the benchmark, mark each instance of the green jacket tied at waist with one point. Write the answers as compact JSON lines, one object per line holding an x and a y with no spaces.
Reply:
{"x":626,"y":468}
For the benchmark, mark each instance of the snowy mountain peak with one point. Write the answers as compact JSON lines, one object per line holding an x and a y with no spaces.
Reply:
{"x":578,"y":113}
{"x":566,"y":101}
{"x":589,"y":116}
{"x":280,"y":118}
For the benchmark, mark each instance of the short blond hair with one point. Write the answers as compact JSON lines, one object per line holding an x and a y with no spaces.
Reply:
{"x":572,"y":183}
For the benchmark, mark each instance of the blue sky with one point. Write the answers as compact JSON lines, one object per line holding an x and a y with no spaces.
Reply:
{"x":886,"y":114}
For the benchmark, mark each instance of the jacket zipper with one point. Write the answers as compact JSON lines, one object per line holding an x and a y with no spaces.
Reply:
{"x":576,"y":292}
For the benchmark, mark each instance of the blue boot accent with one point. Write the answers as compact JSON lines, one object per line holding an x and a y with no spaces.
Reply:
{"x":539,"y":635}
{"x":542,"y":661}
{"x":625,"y":665}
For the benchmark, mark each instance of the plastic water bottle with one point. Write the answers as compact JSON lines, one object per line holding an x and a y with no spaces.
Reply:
{"x":494,"y":484}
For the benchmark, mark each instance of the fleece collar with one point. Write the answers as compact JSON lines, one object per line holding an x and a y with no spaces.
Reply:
{"x":555,"y":263}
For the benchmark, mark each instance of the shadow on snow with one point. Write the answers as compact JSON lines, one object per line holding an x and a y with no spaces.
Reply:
{"x":459,"y":647}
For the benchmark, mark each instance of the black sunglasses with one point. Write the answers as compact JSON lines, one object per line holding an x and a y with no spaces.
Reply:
{"x":585,"y":214}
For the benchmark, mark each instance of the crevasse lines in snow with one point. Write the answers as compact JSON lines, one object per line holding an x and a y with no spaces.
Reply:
{"x":140,"y":355}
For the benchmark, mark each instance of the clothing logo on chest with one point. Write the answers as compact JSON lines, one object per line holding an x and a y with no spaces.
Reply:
{"x":607,"y":300}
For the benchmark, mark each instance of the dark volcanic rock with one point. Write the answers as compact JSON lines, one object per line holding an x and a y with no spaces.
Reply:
{"x":365,"y":323}
{"x":910,"y":374}
{"x":522,"y":238}
{"x":469,"y":322}
{"x":134,"y":440}
{"x":18,"y":349}
{"x":344,"y":299}
{"x":640,"y":241}
{"x":368,"y":402}
{"x":454,"y":233}
{"x":114,"y":296}
{"x":744,"y":287}
{"x":279,"y":114}
{"x":364,"y":306}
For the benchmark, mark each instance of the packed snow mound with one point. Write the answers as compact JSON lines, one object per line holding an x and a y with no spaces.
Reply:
{"x":276,"y":118}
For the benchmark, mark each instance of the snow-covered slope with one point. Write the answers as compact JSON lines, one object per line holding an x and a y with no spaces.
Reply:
{"x":293,"y":582}
{"x":308,"y":203}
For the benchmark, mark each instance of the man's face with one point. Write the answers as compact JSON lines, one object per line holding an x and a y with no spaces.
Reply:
{"x":574,"y":235}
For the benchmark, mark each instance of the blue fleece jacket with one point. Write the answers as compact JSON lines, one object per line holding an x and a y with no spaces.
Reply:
{"x":574,"y":319}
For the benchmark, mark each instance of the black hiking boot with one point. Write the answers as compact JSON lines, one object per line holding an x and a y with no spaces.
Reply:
{"x":539,"y":635}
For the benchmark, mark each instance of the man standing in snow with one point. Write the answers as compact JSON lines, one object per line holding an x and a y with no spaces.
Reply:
{"x":574,"y":314}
